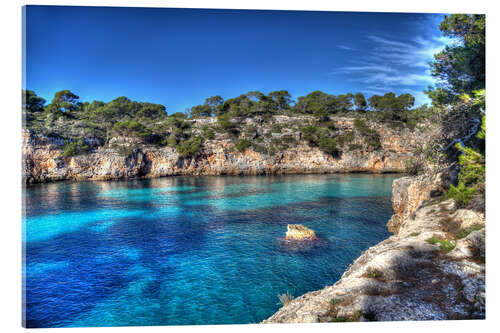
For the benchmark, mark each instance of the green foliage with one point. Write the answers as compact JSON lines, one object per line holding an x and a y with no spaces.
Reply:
{"x":353,"y":147}
{"x":331,"y":125}
{"x":465,"y":232}
{"x":309,"y":133}
{"x":189,"y":147}
{"x":31,"y":102}
{"x":444,"y":244}
{"x":178,"y":115}
{"x":371,"y":136}
{"x":414,"y":234}
{"x":318,"y":137}
{"x":131,"y":127}
{"x":64,"y":102}
{"x":461,"y":193}
{"x":346,"y":138}
{"x":373,"y":273}
{"x":212,"y":106}
{"x":460,"y":67}
{"x":334,"y":301}
{"x":70,"y":149}
{"x":276,"y":129}
{"x":360,"y":102}
{"x":243,"y":145}
{"x":391,"y":107}
{"x":472,"y":176}
{"x":151,"y":111}
{"x":328,"y":145}
{"x":227,"y":126}
{"x":259,"y":148}
{"x":317,"y":103}
{"x":31,"y":105}
{"x":482,"y":132}
{"x":172,"y":140}
{"x":208,"y":133}
{"x":75,"y":147}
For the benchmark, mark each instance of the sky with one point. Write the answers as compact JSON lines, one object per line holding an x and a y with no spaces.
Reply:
{"x":179,"y":57}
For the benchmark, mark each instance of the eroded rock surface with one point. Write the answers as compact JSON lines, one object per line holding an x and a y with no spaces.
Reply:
{"x":123,"y":158}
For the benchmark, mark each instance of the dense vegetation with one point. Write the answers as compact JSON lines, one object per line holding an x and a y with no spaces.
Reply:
{"x":255,"y":103}
{"x":84,"y":126}
{"x":460,"y":98}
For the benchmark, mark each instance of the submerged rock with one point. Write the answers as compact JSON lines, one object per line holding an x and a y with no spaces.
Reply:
{"x":299,"y":232}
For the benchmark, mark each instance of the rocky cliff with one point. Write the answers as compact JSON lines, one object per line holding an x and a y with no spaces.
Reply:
{"x":432,"y":268}
{"x":125,"y":158}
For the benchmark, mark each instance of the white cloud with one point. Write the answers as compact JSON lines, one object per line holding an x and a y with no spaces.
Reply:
{"x":344,"y":47}
{"x":393,"y":64}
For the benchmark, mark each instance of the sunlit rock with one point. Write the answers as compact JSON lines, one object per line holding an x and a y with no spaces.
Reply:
{"x":299,"y":232}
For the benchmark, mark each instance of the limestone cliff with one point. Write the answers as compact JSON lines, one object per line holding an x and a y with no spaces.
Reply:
{"x":432,"y":268}
{"x":43,"y":158}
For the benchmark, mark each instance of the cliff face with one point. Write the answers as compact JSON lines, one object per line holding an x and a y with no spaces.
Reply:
{"x":409,"y":276}
{"x":43,"y":160}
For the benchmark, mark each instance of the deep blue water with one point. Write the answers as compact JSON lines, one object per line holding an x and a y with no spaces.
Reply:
{"x":190,"y":250}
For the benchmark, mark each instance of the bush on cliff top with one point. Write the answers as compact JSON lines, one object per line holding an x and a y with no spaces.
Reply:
{"x":189,"y":147}
{"x":243,"y":145}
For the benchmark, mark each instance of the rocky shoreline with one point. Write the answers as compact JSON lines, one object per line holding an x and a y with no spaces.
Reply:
{"x":432,"y":268}
{"x":124,"y":158}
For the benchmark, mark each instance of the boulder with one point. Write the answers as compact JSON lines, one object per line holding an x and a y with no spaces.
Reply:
{"x":299,"y":232}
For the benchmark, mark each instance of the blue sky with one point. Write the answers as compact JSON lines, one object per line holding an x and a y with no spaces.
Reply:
{"x":179,"y":57}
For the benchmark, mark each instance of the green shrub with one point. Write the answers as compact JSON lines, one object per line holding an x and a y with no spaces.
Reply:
{"x":243,"y":145}
{"x":353,"y":147}
{"x":330,"y":125}
{"x":75,"y":147}
{"x":328,"y":145}
{"x":373,"y":273}
{"x":189,"y":147}
{"x":465,"y":232}
{"x":334,"y":301}
{"x":226,"y":125}
{"x":208,"y":133}
{"x":444,"y":244}
{"x":360,"y":125}
{"x":289,"y":140}
{"x":172,"y":140}
{"x":346,"y":138}
{"x":309,"y":133}
{"x":71,"y":149}
{"x":460,"y":193}
{"x":372,"y":138}
{"x":276,"y":129}
{"x":131,"y":127}
{"x":259,"y":148}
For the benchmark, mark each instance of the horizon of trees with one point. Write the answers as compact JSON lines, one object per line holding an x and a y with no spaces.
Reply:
{"x":254,"y":103}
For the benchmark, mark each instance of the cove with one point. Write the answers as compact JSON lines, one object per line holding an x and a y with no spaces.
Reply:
{"x":190,"y":250}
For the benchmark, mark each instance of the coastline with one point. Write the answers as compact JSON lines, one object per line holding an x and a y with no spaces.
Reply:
{"x":408,"y":276}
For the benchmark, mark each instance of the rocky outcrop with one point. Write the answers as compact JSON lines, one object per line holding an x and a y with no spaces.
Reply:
{"x":408,"y":193}
{"x":431,"y":269}
{"x":299,"y":232}
{"x":43,"y":158}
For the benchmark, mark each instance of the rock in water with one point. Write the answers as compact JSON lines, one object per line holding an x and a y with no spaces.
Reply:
{"x":299,"y":232}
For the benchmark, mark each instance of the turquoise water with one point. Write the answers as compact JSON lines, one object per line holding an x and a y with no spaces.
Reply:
{"x":190,"y":250}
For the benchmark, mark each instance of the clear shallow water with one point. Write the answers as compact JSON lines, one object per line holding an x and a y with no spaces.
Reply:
{"x":205,"y":250}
